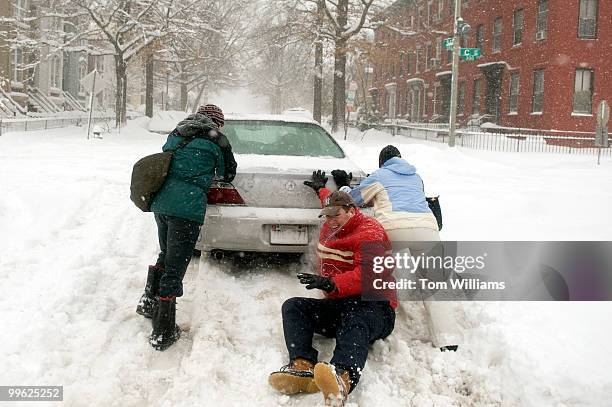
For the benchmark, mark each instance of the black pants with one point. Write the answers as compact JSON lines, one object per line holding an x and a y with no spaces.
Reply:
{"x":354,"y":323}
{"x":177,"y":239}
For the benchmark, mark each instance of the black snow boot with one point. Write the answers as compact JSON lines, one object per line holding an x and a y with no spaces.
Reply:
{"x":165,"y":331}
{"x":148,"y":302}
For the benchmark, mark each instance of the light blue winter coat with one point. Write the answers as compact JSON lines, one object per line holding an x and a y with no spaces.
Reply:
{"x":396,"y":191}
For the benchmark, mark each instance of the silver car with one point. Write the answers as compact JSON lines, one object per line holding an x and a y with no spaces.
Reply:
{"x":267,"y":208}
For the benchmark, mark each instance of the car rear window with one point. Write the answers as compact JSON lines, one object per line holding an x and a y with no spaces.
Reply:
{"x":280,"y":138}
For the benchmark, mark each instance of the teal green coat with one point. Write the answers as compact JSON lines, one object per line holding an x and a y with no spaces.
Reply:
{"x":191,"y":172}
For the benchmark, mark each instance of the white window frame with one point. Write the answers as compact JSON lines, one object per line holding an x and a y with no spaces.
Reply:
{"x":518,"y":23}
{"x":497,"y":34}
{"x":20,"y":8}
{"x":55,"y":72}
{"x":587,"y":19}
{"x":579,"y":88}
{"x":513,"y":92}
{"x":542,"y":20}
{"x":476,"y":96}
{"x":17,"y":64}
{"x":538,"y":92}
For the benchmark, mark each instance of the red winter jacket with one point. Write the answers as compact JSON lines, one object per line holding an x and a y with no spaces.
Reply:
{"x":340,"y":253}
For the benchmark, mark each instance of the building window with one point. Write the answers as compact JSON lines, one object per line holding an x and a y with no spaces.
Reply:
{"x":440,"y":9}
{"x":401,"y":64}
{"x":542,"y":20}
{"x":587,"y":22}
{"x":438,"y":60}
{"x":583,"y":91}
{"x":480,"y":37}
{"x":429,"y":56}
{"x":436,"y":96}
{"x":476,"y":97}
{"x":55,"y":78}
{"x":517,"y":25}
{"x":20,"y":8}
{"x":420,"y":60}
{"x":17,"y":64}
{"x":538,"y":91}
{"x":514,"y":92}
{"x":497,"y":32}
{"x":461,"y":98}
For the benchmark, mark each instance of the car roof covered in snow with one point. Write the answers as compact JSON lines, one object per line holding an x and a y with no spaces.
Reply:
{"x":269,"y":117}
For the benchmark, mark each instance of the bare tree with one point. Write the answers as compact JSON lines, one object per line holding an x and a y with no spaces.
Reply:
{"x":122,"y":28}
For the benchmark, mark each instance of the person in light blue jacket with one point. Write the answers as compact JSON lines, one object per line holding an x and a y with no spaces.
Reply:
{"x":397,"y":195}
{"x":396,"y":192}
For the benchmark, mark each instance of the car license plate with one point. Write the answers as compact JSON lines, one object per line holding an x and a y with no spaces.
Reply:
{"x":289,"y":234}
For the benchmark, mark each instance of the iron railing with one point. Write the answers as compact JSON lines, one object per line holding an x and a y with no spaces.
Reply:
{"x":502,"y":139}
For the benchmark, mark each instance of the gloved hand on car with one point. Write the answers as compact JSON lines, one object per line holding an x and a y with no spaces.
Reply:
{"x":316,"y":281}
{"x":318,"y":180}
{"x":341,"y":178}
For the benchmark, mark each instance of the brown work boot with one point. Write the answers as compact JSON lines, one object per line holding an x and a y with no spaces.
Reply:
{"x":334,"y":383}
{"x":296,"y":377}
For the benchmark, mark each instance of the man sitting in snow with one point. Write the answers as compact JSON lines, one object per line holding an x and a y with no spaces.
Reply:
{"x":343,"y":314}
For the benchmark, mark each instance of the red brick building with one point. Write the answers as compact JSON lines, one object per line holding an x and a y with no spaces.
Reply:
{"x":545,"y":64}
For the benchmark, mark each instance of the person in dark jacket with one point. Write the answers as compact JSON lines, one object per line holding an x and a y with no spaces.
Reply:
{"x":179,"y":209}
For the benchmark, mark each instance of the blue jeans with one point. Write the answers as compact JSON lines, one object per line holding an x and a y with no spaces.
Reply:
{"x":354,"y":323}
{"x":177,"y":239}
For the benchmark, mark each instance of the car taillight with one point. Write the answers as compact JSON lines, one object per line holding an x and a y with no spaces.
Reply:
{"x":224,"y":195}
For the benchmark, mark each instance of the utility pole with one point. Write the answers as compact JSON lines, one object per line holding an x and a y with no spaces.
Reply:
{"x":455,"y":75}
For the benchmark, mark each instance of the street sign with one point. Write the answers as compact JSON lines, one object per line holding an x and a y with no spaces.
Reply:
{"x":448,"y":43}
{"x":93,"y":81}
{"x":469,"y":52}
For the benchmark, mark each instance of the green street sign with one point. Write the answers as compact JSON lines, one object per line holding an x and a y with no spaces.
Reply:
{"x":469,"y":52}
{"x":448,"y":43}
{"x":469,"y":58}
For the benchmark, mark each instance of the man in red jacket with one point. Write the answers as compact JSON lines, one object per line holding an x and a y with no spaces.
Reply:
{"x":347,"y":244}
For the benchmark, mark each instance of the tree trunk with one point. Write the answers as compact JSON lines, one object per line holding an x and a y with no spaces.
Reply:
{"x":149,"y":86}
{"x":184,"y":91}
{"x":339,"y":102}
{"x":318,"y":71}
{"x":198,"y":98}
{"x":339,"y":98}
{"x":318,"y":81}
{"x":121,"y":93}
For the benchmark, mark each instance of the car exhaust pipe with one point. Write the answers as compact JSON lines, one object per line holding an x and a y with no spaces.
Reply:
{"x":218,"y":254}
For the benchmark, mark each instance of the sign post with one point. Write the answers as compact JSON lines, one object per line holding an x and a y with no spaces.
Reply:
{"x":93,"y":83}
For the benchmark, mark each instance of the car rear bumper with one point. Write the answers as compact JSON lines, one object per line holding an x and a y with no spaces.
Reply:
{"x":239,"y":228}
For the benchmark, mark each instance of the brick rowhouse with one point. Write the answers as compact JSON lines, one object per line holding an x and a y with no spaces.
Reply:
{"x":545,"y":64}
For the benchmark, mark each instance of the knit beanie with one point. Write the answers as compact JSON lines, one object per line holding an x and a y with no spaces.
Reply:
{"x":214,"y":113}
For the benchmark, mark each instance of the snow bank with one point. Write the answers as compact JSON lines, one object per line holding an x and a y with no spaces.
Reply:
{"x":74,"y":259}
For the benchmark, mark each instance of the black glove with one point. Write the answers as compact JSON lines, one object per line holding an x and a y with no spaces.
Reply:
{"x":341,"y":178}
{"x":316,"y":281}
{"x":318,"y":180}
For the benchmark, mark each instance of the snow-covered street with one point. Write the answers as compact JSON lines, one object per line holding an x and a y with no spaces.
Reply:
{"x":75,"y":251}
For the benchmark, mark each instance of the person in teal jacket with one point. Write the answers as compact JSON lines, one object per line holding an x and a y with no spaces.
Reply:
{"x":179,"y":209}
